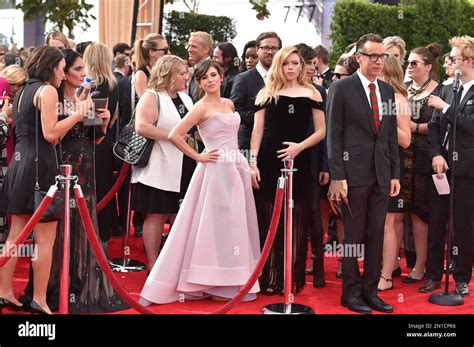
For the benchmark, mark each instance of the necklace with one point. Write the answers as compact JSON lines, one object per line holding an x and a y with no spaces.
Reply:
{"x":414,"y":91}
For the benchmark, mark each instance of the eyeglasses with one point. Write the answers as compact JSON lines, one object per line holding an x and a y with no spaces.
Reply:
{"x":267,"y":49}
{"x":454,"y":59}
{"x":414,"y":63}
{"x":339,"y":75}
{"x":165,"y":49}
{"x":374,"y":57}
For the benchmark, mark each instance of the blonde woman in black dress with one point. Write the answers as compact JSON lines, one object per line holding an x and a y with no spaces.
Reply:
{"x":286,"y":106}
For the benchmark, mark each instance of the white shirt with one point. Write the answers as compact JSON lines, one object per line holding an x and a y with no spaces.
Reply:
{"x":465,"y":89}
{"x":365,"y":84}
{"x":262,"y":71}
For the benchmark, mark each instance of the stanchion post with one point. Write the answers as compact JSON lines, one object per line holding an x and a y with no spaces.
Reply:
{"x":125,"y":264}
{"x":288,"y":307}
{"x":66,"y":171}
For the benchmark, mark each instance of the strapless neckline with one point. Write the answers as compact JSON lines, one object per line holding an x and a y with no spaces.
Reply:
{"x":214,"y":113}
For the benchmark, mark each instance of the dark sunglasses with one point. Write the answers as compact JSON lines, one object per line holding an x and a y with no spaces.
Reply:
{"x":339,"y":75}
{"x":414,"y":63}
{"x":454,"y":59}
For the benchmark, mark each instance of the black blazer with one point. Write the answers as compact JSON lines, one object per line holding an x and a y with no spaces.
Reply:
{"x":125,"y":100}
{"x":327,"y":78}
{"x":318,"y":153}
{"x":440,"y":125}
{"x":245,"y":89}
{"x":356,"y":153}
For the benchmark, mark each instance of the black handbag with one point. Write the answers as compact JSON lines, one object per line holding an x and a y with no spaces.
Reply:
{"x":53,"y":213}
{"x":131,"y":147}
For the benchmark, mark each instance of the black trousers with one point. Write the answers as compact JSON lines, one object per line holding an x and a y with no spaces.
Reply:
{"x":463,"y":231}
{"x":363,"y":236}
{"x":137,"y":220}
{"x":315,"y":229}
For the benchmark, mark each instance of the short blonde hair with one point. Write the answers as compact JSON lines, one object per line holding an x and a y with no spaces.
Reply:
{"x":465,"y":44}
{"x":207,"y":40}
{"x":14,"y":74}
{"x":395,"y":41}
{"x":164,"y":73}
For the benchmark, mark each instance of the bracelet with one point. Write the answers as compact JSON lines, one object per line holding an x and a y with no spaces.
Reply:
{"x":417,"y":128}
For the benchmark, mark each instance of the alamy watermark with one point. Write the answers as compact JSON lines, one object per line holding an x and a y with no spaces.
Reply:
{"x":18,"y":251}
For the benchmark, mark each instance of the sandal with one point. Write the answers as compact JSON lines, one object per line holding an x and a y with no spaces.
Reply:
{"x":386,"y":280}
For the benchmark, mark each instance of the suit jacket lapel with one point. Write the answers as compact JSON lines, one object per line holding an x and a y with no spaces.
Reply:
{"x":468,"y":95}
{"x":367,"y":106}
{"x":257,"y":77}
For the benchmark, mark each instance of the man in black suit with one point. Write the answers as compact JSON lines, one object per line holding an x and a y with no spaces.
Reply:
{"x":461,"y":160}
{"x":324,"y":72}
{"x":364,"y":168}
{"x":248,"y":84}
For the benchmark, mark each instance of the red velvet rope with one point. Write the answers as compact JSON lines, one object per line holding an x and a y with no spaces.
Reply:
{"x":263,"y":256}
{"x":99,"y":253}
{"x":115,"y":188}
{"x":35,"y":218}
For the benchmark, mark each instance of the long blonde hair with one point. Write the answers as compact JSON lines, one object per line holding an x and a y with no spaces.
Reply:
{"x":164,"y":73}
{"x":276,"y":79}
{"x":393,"y":75}
{"x":141,"y":47}
{"x":98,"y":64}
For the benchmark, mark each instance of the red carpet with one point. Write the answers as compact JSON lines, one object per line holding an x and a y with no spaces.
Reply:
{"x":404,"y":297}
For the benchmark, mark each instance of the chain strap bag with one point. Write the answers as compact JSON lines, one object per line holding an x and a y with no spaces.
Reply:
{"x":131,"y":147}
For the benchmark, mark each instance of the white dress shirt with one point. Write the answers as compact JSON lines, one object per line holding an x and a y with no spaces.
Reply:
{"x":365,"y":84}
{"x":465,"y":89}
{"x":262,"y":71}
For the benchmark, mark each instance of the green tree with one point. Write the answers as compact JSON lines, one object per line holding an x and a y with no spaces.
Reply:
{"x":178,"y":25}
{"x":418,"y":22}
{"x":62,"y":13}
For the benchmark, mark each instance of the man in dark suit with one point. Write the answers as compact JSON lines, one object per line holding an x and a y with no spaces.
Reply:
{"x":364,"y":168}
{"x":324,"y":72}
{"x":445,"y":159}
{"x":248,"y":84}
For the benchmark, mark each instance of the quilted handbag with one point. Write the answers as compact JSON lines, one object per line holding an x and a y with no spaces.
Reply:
{"x":131,"y":147}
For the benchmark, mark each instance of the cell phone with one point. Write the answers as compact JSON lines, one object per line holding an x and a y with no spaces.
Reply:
{"x":99,"y":103}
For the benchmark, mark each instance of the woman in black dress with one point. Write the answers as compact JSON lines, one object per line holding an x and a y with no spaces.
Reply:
{"x":423,"y":70}
{"x":97,"y":61}
{"x":285,"y":108}
{"x":89,"y":290}
{"x":45,"y":69}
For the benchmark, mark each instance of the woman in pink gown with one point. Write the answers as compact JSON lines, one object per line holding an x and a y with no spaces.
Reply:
{"x":214,"y":243}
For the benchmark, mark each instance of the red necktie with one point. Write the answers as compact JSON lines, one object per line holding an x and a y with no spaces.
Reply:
{"x":375,"y":106}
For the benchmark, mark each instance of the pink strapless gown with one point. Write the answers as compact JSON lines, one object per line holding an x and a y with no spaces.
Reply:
{"x":214,"y":244}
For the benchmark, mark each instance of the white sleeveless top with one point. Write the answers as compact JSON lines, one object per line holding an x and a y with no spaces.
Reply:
{"x":163,"y":170}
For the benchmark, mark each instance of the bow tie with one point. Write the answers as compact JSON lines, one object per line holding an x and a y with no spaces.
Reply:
{"x":320,"y":75}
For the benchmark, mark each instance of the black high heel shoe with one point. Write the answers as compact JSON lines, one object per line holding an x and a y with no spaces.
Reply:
{"x":36,"y":309}
{"x":8,"y":304}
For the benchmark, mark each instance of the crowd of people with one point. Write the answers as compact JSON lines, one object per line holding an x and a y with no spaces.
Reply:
{"x":370,"y":139}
